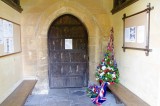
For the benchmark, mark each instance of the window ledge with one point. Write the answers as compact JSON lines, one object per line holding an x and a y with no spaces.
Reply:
{"x":122,"y":6}
{"x":13,"y":5}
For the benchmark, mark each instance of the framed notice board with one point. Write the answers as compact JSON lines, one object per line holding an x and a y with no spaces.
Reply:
{"x":10,"y":37}
{"x":136,"y":30}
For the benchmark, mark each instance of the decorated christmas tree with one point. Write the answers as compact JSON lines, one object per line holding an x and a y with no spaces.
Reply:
{"x":107,"y":70}
{"x":106,"y":73}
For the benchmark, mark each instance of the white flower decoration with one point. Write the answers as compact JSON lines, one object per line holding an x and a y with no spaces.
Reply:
{"x":103,"y":67}
{"x":113,"y":75}
{"x":102,"y":74}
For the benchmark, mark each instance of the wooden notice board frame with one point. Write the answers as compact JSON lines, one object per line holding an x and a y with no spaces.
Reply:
{"x":14,"y":41}
{"x":136,"y":30}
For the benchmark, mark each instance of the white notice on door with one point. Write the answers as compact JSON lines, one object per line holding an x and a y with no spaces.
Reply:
{"x":68,"y":44}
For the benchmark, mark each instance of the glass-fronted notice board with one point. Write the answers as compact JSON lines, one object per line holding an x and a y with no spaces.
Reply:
{"x":136,"y":30}
{"x":10,"y":37}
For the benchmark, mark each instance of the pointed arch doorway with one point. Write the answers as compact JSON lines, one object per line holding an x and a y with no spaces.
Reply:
{"x":67,"y":53}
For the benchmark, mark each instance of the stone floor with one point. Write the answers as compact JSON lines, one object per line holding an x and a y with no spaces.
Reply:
{"x":66,"y":97}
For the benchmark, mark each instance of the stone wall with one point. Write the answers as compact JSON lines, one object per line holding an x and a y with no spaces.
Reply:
{"x":11,"y":73}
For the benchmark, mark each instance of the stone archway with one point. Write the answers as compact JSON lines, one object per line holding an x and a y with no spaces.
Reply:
{"x":42,"y":26}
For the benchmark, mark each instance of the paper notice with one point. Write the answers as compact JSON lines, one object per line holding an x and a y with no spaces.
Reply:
{"x":140,"y":34}
{"x":68,"y":43}
{"x":130,"y":34}
{"x":8,"y":45}
{"x":11,"y":45}
{"x":7,"y":29}
{"x":10,"y":29}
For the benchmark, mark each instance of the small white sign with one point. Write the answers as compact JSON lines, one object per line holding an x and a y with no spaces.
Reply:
{"x":8,"y":45}
{"x":68,"y":44}
{"x":130,"y":34}
{"x":140,"y":34}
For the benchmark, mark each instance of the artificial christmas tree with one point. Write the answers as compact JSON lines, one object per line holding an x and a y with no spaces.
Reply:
{"x":107,"y":73}
{"x":107,"y":70}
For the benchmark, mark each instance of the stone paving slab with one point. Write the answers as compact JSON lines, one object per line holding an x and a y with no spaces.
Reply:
{"x":66,"y":97}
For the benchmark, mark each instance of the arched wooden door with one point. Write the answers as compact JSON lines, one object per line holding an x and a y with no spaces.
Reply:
{"x":68,"y":53}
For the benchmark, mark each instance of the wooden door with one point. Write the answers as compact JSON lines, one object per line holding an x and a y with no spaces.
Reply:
{"x":68,"y":53}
